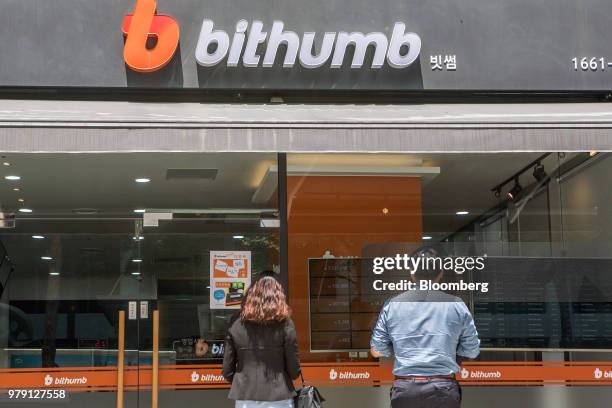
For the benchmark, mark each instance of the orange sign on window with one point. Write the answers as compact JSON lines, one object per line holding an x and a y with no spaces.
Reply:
{"x":151,"y":39}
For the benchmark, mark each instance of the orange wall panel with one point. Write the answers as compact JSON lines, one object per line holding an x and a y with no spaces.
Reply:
{"x":342,"y":214}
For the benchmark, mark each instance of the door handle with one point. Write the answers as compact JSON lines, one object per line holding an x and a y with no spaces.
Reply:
{"x":120,"y":357}
{"x":155,"y":371}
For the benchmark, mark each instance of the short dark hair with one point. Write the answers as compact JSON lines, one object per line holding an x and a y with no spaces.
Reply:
{"x":268,"y":272}
{"x":433,"y":269}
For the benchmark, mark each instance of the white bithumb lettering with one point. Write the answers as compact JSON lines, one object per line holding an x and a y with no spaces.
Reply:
{"x":214,"y":45}
{"x":348,"y":375}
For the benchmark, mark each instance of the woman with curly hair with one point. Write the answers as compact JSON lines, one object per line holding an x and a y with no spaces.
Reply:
{"x":261,"y":358}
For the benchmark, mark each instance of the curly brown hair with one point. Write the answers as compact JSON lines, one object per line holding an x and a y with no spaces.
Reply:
{"x":265,"y":302}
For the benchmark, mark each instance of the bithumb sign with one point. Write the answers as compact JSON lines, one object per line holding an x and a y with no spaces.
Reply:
{"x":348,"y":375}
{"x":50,"y":380}
{"x":145,"y":25}
{"x":206,"y":377}
{"x":479,"y":374}
{"x":598,"y":374}
{"x":334,"y":46}
{"x":217,"y":46}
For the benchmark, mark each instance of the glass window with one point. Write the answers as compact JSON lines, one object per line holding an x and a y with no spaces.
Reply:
{"x":537,"y":221}
{"x":86,"y":234}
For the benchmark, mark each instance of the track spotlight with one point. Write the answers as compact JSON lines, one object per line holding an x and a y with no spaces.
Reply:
{"x":539,"y":173}
{"x":515,"y":191}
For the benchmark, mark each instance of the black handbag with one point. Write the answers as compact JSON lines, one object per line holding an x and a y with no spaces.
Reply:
{"x":308,"y":397}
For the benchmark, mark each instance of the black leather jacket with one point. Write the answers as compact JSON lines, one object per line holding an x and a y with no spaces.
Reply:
{"x":261,"y":360}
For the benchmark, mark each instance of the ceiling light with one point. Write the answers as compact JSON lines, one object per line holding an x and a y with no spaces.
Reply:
{"x":54,"y":273}
{"x":140,"y":210}
{"x":515,"y":191}
{"x":85,"y":211}
{"x":498,"y":192}
{"x":385,"y":211}
{"x":12,"y":177}
{"x":6,"y":164}
{"x":138,"y":238}
{"x":591,"y":154}
{"x":137,"y":260}
{"x":21,"y":200}
{"x":539,"y":173}
{"x":426,"y":237}
{"x":16,"y":189}
{"x":462,"y":212}
{"x":136,"y":273}
{"x":38,"y":237}
{"x":142,"y":180}
{"x":46,"y":258}
{"x":238,"y":236}
{"x":25,"y":210}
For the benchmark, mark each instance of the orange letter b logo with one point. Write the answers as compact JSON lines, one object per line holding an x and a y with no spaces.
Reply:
{"x":139,"y":28}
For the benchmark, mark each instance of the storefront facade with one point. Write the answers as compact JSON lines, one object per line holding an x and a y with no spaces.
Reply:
{"x":152,"y":168}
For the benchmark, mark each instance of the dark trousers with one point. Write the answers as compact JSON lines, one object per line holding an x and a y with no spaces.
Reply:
{"x":432,"y":393}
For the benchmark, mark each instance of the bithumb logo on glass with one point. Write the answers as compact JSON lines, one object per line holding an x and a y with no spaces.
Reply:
{"x":209,"y":378}
{"x":599,"y":374}
{"x":334,"y":45}
{"x":50,"y":380}
{"x":348,"y":375}
{"x":479,"y":374}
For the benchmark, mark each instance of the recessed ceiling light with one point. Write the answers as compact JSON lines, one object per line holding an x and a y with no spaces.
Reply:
{"x":137,"y":260}
{"x":85,"y":211}
{"x":25,"y":210}
{"x":140,"y":210}
{"x":46,"y":258}
{"x":462,"y":212}
{"x":12,"y":177}
{"x":21,"y":200}
{"x":16,"y":189}
{"x":136,"y":273}
{"x":38,"y":237}
{"x":426,"y":237}
{"x":142,"y":180}
{"x":238,"y":236}
{"x":6,"y":164}
{"x":54,"y":273}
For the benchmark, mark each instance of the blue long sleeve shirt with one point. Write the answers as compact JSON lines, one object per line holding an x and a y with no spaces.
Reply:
{"x":425,"y":331}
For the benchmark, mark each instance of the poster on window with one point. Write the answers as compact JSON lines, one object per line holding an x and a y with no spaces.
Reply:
{"x":230,"y":276}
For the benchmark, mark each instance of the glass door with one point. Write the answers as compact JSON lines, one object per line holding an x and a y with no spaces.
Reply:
{"x":200,"y":265}
{"x":66,"y":311}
